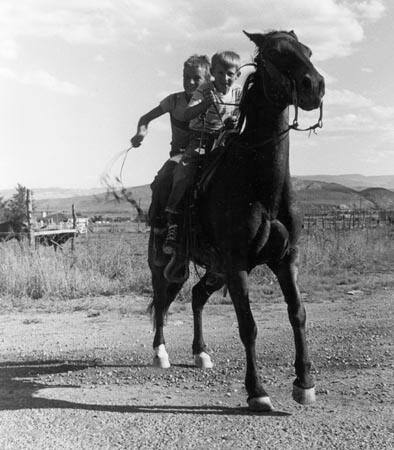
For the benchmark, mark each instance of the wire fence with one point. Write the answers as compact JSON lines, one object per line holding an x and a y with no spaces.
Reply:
{"x":338,"y":221}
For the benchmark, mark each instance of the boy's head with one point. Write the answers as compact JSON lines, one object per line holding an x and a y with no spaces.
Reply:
{"x":224,"y":69}
{"x":196,"y":70}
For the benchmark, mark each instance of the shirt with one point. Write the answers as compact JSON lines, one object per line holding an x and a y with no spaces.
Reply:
{"x":175,"y":104}
{"x":226,"y":106}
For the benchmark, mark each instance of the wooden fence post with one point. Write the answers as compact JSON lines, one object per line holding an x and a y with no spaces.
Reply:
{"x":29,"y":214}
{"x":138,"y":215}
{"x":74,"y":225}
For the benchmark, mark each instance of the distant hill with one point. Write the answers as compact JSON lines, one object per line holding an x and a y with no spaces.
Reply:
{"x":319,"y":195}
{"x":311,"y":194}
{"x":100,"y":203}
{"x":354,"y":181}
{"x":55,"y":192}
{"x":381,"y":198}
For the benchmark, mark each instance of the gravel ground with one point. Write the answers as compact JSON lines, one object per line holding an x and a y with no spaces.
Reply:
{"x":84,"y":379}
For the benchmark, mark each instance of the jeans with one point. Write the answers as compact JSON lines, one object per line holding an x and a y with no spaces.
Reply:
{"x":185,"y":172}
{"x":161,"y":188}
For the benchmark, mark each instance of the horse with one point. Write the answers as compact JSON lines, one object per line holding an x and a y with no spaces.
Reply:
{"x":248,"y":213}
{"x":12,"y":229}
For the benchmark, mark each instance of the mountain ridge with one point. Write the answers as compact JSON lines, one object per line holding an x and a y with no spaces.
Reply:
{"x":357,"y":182}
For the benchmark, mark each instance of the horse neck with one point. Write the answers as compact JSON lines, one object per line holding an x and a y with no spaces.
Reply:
{"x":265,"y":133}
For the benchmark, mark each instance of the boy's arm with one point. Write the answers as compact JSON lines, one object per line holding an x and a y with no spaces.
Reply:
{"x":142,"y":126}
{"x":199,"y":104}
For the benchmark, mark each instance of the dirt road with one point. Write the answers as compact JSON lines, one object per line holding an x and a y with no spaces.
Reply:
{"x":83,"y":379}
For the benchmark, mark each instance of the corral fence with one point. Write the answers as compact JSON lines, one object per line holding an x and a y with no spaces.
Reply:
{"x":344,"y":220}
{"x":314,"y":220}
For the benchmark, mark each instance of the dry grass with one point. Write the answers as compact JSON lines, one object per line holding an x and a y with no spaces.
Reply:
{"x":116,"y":264}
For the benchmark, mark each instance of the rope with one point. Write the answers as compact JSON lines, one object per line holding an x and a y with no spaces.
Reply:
{"x":105,"y":175}
{"x":117,"y":189}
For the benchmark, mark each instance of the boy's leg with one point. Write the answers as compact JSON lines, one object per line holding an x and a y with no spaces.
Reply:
{"x":184,"y":175}
{"x":161,"y":188}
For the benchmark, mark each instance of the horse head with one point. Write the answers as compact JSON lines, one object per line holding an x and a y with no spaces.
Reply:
{"x":287,"y":73}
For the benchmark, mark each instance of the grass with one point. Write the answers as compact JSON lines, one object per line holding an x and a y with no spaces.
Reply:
{"x":114,"y":264}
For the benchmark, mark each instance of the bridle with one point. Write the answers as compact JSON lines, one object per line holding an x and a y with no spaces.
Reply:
{"x":277,"y":88}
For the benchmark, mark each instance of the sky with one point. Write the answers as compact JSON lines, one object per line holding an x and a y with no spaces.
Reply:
{"x":76,"y":75}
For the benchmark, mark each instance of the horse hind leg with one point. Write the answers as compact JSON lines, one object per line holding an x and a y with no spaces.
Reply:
{"x":286,"y":271}
{"x":163,"y":295}
{"x":208,"y":284}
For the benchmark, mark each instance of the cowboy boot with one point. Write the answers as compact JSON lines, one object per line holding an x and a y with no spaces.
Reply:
{"x":171,"y":242}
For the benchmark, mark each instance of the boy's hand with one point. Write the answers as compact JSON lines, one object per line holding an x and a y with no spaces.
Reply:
{"x":230,"y":122}
{"x":137,"y":139}
{"x":209,"y":97}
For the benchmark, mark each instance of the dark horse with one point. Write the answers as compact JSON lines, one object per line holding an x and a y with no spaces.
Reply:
{"x":248,"y":215}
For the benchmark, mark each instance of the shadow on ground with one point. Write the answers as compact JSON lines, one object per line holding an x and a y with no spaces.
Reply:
{"x":18,"y":389}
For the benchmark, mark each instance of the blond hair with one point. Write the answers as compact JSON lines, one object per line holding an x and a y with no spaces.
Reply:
{"x":227,"y":59}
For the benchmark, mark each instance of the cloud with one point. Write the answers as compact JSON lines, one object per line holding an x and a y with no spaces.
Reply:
{"x":42,"y":79}
{"x":350,"y":114}
{"x":384,"y":113}
{"x":161,"y":73}
{"x":369,"y":9}
{"x":168,"y":48}
{"x":331,"y":27}
{"x":9,"y":49}
{"x":46,"y":80}
{"x":346,"y":98}
{"x":328,"y":78}
{"x":99,"y":58}
{"x":364,"y":118}
{"x":6,"y":72}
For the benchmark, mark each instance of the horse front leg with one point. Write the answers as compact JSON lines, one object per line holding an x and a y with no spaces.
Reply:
{"x":286,"y":271}
{"x":208,"y":284}
{"x":258,"y":399}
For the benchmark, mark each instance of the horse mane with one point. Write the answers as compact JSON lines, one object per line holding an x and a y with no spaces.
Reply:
{"x":245,"y":90}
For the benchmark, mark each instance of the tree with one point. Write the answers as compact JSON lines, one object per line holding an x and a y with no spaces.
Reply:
{"x":2,"y":209}
{"x":15,"y":207}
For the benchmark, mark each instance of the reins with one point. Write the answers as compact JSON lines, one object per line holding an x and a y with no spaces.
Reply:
{"x":294,"y":125}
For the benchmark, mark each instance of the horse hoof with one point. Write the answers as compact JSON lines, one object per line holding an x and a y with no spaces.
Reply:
{"x":161,"y":362}
{"x":262,"y":404}
{"x":304,"y":396}
{"x":203,"y":361}
{"x":161,"y":359}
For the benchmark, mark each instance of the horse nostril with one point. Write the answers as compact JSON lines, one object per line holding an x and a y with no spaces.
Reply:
{"x":307,"y":83}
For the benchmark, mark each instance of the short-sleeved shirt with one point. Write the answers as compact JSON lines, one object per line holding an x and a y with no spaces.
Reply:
{"x":227,"y":106}
{"x":175,"y":104}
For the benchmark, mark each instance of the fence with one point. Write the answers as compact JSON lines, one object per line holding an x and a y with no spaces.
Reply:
{"x":339,"y":220}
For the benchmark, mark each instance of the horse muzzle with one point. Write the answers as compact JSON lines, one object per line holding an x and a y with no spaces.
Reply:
{"x":310,"y":91}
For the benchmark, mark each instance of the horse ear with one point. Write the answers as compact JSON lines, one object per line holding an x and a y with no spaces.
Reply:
{"x":255,"y":37}
{"x":293,"y":34}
